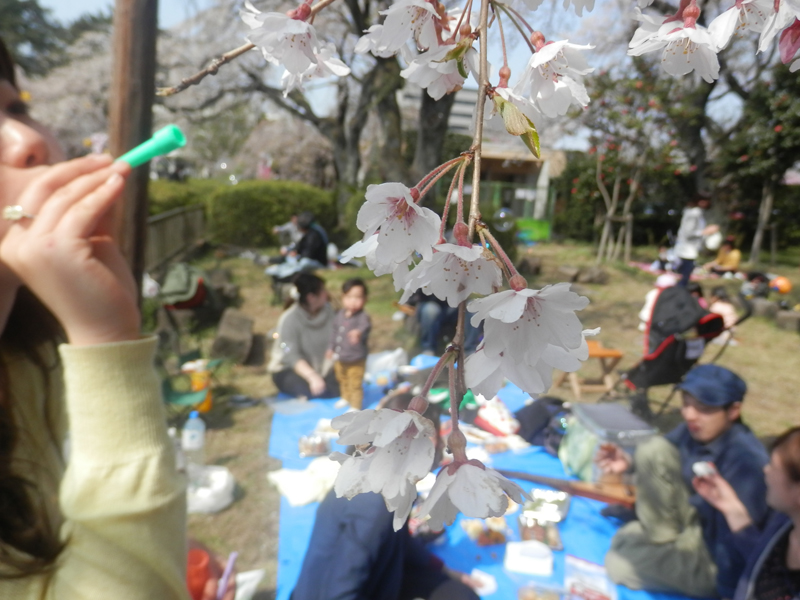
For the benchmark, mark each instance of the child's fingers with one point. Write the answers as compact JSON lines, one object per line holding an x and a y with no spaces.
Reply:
{"x":34,"y":198}
{"x":82,"y":217}
{"x":62,"y":200}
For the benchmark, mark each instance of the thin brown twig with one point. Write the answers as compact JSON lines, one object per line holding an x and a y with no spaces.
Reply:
{"x":474,"y":208}
{"x":211,"y":69}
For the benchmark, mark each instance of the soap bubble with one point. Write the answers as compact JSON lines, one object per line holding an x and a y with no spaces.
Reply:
{"x":503,"y":219}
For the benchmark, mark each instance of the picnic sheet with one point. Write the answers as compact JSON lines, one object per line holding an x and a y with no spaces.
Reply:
{"x":585,"y":533}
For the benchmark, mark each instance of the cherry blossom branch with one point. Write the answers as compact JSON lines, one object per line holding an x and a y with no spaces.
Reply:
{"x":502,"y":42}
{"x":460,"y":215}
{"x":460,"y":172}
{"x":498,"y":249}
{"x":457,"y":28}
{"x":513,"y":19}
{"x":497,"y":261}
{"x":211,"y":69}
{"x":474,"y":208}
{"x":223,"y":59}
{"x":440,"y":172}
{"x":446,"y":358}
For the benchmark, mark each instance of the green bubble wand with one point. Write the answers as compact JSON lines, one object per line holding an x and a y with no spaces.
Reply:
{"x":164,"y":141}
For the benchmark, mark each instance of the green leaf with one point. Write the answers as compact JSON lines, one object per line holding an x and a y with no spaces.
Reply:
{"x":518,"y":124}
{"x":458,"y":52}
{"x":462,"y":70}
{"x":531,"y":139}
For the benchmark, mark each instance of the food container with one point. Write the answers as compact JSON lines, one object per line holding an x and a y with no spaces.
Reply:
{"x":531,"y":591}
{"x":530,"y":557}
{"x":547,"y":505}
{"x":314,"y":445}
{"x":591,"y":426}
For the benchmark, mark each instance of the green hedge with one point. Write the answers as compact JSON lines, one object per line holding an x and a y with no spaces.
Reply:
{"x":166,"y":195}
{"x":245,"y":214}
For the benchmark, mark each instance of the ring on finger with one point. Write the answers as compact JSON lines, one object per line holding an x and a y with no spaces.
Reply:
{"x":16,"y":213}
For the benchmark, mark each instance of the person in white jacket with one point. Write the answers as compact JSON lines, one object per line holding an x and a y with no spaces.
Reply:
{"x":691,"y":233}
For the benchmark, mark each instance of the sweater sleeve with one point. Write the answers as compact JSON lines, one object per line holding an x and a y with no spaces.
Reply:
{"x":122,"y":500}
{"x":289,"y":340}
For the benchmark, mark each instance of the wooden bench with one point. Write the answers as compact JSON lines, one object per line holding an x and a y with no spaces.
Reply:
{"x":608,"y":357}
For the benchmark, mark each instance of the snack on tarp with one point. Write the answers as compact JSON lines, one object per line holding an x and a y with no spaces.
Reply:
{"x":494,"y":417}
{"x":490,"y":537}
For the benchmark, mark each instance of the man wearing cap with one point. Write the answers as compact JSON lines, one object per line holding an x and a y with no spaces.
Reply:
{"x":679,"y":542}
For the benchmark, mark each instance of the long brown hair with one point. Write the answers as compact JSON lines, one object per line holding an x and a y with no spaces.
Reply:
{"x":787,"y":446}
{"x":29,"y":543}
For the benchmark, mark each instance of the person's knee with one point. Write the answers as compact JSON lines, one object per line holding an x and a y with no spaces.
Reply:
{"x":655,"y":452}
{"x":453,"y":590}
{"x":428,"y":312}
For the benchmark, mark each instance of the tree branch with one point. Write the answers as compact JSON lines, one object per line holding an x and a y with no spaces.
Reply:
{"x":212,"y":68}
{"x":298,"y":106}
{"x":209,"y":70}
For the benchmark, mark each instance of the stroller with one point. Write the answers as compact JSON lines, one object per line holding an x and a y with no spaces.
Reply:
{"x":675,"y":338}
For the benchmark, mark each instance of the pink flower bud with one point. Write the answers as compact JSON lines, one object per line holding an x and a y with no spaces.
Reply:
{"x":517,"y":282}
{"x":537,"y":39}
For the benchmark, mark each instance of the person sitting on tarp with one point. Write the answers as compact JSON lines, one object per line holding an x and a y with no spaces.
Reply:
{"x":434,"y":314}
{"x":309,"y":254}
{"x":297,"y":360}
{"x":354,"y":551}
{"x":679,"y":542}
{"x":727,"y":260}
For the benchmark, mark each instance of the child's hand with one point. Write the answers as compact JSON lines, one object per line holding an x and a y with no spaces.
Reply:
{"x":328,"y":354}
{"x":66,"y":254}
{"x":354,"y":336}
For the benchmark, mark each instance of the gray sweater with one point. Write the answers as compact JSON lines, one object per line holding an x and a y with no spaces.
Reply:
{"x":301,"y":336}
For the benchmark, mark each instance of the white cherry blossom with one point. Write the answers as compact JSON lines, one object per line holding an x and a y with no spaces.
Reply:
{"x":524,"y":321}
{"x":405,"y":20}
{"x":777,"y":21}
{"x":326,"y":65}
{"x":401,"y":454}
{"x":453,"y":273}
{"x":282,"y":40}
{"x":526,"y":333}
{"x":430,"y":71}
{"x":471,"y":488}
{"x":684,"y":48}
{"x":551,"y":78}
{"x":789,"y":46}
{"x":403,"y":227}
{"x":579,"y":5}
{"x":747,"y":15}
{"x":367,"y":249}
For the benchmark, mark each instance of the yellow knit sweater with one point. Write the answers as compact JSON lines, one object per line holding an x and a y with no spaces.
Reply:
{"x":119,"y":504}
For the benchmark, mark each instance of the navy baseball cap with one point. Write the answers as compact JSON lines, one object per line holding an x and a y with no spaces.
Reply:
{"x":713,"y":385}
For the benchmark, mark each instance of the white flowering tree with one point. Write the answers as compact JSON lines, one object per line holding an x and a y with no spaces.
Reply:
{"x":527,"y":332}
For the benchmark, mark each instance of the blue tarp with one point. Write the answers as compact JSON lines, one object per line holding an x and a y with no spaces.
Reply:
{"x":585,"y":533}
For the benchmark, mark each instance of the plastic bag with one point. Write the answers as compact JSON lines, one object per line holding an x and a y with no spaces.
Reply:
{"x":383,"y":365}
{"x":216,"y":494}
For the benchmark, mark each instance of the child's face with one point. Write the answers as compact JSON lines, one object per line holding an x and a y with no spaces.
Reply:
{"x":26,"y":146}
{"x":354,"y":300}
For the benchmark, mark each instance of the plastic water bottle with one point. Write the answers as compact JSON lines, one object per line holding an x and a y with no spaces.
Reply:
{"x":193,"y":438}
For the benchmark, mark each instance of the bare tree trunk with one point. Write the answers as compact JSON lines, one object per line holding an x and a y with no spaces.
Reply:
{"x":391,"y":165}
{"x":431,"y":132}
{"x":618,"y":245}
{"x":628,"y":238}
{"x":611,"y":206}
{"x":764,"y":212}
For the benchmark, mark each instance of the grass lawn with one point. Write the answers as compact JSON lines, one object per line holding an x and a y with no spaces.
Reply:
{"x":238,"y":438}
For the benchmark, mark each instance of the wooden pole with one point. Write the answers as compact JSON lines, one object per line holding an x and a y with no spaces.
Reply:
{"x":130,"y":115}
